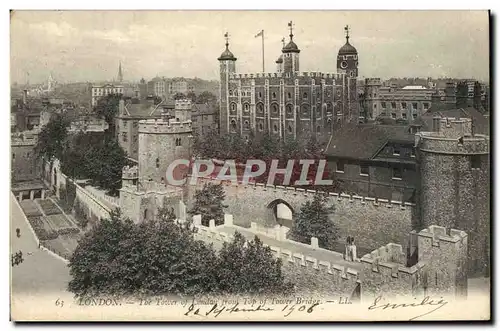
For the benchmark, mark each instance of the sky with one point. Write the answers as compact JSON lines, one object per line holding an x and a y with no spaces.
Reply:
{"x":78,"y":46}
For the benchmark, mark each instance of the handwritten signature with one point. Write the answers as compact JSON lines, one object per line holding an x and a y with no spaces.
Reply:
{"x":216,"y":310}
{"x":426,"y":301}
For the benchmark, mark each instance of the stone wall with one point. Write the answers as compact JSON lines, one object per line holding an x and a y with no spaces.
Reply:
{"x":372,"y":222}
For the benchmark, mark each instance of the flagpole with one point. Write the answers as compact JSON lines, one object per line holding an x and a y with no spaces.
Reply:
{"x":263,"y":67}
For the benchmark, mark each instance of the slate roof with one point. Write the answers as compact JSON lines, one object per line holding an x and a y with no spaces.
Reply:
{"x":481,"y":123}
{"x":363,"y":141}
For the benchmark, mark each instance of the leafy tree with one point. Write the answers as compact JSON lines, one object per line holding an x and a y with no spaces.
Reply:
{"x":191,"y":96}
{"x":52,"y":138}
{"x":108,"y":107}
{"x":314,"y":220}
{"x":159,"y":257}
{"x":250,"y":268}
{"x":205,"y":97}
{"x":209,"y":203}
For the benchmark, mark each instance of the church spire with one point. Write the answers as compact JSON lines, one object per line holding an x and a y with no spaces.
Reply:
{"x":120,"y":73}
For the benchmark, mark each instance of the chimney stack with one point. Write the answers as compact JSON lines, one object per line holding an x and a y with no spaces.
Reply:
{"x":25,"y":97}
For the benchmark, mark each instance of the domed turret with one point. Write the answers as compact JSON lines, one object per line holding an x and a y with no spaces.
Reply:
{"x":227,"y":55}
{"x":280,"y":59}
{"x":290,"y":54}
{"x":348,"y":49}
{"x":347,"y":58}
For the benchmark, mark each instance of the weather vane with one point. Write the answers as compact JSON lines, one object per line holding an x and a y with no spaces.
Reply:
{"x":226,"y":35}
{"x":290,"y":25}
{"x":347,"y":32}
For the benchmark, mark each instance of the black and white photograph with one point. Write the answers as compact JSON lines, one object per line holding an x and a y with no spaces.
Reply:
{"x":252,"y":165}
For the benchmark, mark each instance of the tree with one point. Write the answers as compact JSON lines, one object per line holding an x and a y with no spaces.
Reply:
{"x":159,"y":257}
{"x":51,"y":142}
{"x":108,"y":107}
{"x":250,"y":268}
{"x":205,"y":97}
{"x":209,"y":203}
{"x":192,"y":96}
{"x":314,"y":220}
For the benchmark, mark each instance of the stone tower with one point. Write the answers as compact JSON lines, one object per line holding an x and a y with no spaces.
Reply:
{"x":227,"y":66}
{"x":454,"y":192}
{"x":372,"y":98}
{"x":291,"y":54}
{"x":161,"y":141}
{"x":347,"y":63}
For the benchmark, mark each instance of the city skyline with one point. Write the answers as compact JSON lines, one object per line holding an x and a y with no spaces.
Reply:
{"x":88,"y":46}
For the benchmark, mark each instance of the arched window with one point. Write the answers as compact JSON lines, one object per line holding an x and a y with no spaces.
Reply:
{"x":290,"y":129}
{"x":233,"y":106}
{"x":289,"y":95}
{"x":230,"y":93}
{"x":305,"y":111}
{"x":260,"y":95}
{"x":289,"y":109}
{"x":261,"y":127}
{"x":260,"y":108}
{"x":274,"y":95}
{"x":246,"y":125}
{"x":318,"y":110}
{"x":275,"y":128}
{"x":274,"y":109}
{"x":318,"y":129}
{"x":304,"y":96}
{"x":246,"y":107}
{"x":178,"y":142}
{"x":233,"y":125}
{"x":157,"y":163}
{"x":145,"y":214}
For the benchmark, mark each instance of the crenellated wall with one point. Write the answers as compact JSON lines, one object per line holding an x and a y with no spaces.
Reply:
{"x":371,"y":221}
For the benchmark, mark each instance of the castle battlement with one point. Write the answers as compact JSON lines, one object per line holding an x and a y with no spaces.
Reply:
{"x":163,"y":126}
{"x":130,"y":172}
{"x":185,"y":104}
{"x":389,"y":260}
{"x":460,"y":144}
{"x":312,"y":74}
{"x":297,"y":190}
{"x":373,"y":81}
{"x":439,"y":234}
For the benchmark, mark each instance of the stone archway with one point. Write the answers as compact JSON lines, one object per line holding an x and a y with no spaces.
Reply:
{"x":280,"y":212}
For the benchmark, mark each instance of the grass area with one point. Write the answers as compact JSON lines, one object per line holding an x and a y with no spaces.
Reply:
{"x":49,"y":208}
{"x":42,"y":229}
{"x":64,"y":245}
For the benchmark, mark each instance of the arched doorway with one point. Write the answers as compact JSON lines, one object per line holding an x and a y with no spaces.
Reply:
{"x":280,"y":212}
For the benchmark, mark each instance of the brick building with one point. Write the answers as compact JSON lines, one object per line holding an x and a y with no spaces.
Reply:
{"x":374,"y":160}
{"x":99,"y":91}
{"x":288,"y":103}
{"x":205,"y":118}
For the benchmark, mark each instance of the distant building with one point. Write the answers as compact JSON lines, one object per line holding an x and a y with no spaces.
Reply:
{"x":205,"y":118}
{"x":99,"y":91}
{"x":167,"y":88}
{"x":403,"y":104}
{"x":24,"y":163}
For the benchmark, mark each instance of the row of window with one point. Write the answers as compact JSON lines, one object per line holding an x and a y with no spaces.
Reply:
{"x":364,"y":170}
{"x":260,"y":126}
{"x":289,"y":108}
{"x":27,"y":154}
{"x":404,"y":105}
{"x":106,"y":91}
{"x":305,"y":95}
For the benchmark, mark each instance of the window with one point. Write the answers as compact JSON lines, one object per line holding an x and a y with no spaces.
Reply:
{"x":13,"y":156}
{"x":157,"y":163}
{"x":318,"y":129}
{"x":246,"y":125}
{"x":426,"y":106}
{"x":304,"y":96}
{"x":178,"y":142}
{"x":260,"y":108}
{"x":233,"y":125}
{"x":364,"y":170}
{"x":289,"y":109}
{"x":246,"y":107}
{"x":290,"y":129}
{"x":383,"y":104}
{"x":397,"y":173}
{"x":124,"y":136}
{"x":393,"y":105}
{"x":275,"y":128}
{"x":414,"y":116}
{"x":393,"y":115}
{"x":340,"y":166}
{"x":260,"y":95}
{"x":274,"y":95}
{"x":261,"y":127}
{"x":375,"y":106}
{"x":403,"y":105}
{"x":412,"y":152}
{"x":233,"y":106}
{"x":403,"y":115}
{"x":475,"y":162}
{"x":28,"y":154}
{"x":415,"y":105}
{"x":274,"y":109}
{"x":396,"y":150}
{"x":289,"y":95}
